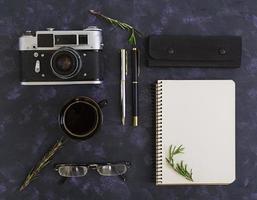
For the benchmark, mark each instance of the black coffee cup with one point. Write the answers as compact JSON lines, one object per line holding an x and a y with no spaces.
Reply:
{"x":81,"y":117}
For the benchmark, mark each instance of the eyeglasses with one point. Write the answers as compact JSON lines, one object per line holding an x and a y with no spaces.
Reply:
{"x":108,"y":169}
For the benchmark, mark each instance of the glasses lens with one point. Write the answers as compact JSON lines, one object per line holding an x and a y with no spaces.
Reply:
{"x":112,"y":170}
{"x":72,"y":171}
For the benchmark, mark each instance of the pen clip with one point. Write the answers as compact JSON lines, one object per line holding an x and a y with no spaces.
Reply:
{"x":138,"y":62}
{"x":126,"y":62}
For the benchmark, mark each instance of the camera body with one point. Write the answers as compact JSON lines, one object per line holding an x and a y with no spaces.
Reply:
{"x":61,"y":57}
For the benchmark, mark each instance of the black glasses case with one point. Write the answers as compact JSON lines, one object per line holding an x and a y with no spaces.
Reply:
{"x":194,"y":51}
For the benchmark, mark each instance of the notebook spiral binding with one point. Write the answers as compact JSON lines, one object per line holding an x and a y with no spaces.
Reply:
{"x":158,"y":116}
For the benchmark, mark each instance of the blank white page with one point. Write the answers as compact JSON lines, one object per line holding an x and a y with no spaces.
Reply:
{"x":200,"y":115}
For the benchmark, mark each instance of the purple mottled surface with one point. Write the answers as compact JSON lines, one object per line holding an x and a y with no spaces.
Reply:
{"x":28,"y":115}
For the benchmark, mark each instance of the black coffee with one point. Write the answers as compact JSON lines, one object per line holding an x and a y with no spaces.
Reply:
{"x":81,"y":118}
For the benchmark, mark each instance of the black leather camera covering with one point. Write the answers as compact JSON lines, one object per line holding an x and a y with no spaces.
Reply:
{"x":92,"y":65}
{"x":194,"y":51}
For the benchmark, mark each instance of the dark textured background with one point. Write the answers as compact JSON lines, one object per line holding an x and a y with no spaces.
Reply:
{"x":28,"y":115}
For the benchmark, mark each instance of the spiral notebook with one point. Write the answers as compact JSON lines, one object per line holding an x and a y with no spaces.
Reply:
{"x":200,"y":116}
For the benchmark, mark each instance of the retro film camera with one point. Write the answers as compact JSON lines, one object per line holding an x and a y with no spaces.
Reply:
{"x":61,"y":57}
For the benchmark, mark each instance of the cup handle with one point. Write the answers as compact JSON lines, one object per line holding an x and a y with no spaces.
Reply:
{"x":103,"y":103}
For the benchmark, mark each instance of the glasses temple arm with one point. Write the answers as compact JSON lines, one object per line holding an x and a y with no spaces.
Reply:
{"x":123,"y":177}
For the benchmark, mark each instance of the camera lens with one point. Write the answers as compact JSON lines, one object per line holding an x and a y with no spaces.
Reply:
{"x":65,"y":63}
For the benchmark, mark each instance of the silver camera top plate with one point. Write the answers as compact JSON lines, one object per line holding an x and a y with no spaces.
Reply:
{"x":91,"y":36}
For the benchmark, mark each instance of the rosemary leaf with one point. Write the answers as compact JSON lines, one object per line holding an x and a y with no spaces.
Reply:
{"x":132,"y":38}
{"x":170,"y":153}
{"x":124,"y":26}
{"x":32,"y":175}
{"x":180,"y":167}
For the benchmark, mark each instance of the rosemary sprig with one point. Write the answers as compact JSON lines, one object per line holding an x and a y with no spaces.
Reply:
{"x":133,"y":32}
{"x":180,"y":167}
{"x":43,"y":162}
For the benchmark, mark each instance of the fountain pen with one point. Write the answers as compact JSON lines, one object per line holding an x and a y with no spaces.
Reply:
{"x":135,"y":64}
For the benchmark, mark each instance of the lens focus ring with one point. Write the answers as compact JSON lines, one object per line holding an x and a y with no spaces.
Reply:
{"x":65,"y":63}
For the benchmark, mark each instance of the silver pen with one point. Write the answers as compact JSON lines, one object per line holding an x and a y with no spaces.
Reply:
{"x":124,"y":71}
